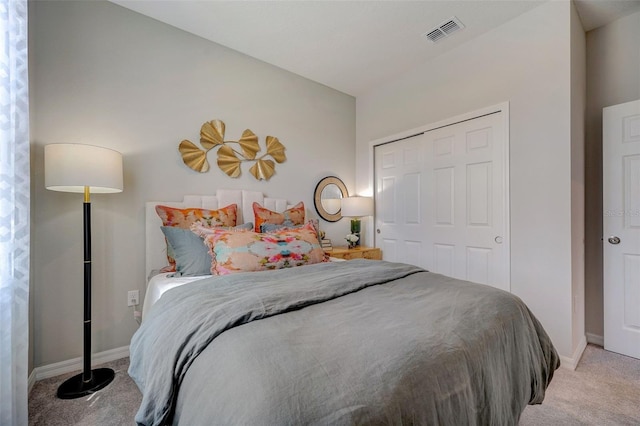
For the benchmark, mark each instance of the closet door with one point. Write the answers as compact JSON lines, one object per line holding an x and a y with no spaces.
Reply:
{"x":401,"y":230}
{"x":442,"y":198}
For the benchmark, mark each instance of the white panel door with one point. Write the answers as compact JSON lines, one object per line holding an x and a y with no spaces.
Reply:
{"x":621,"y":226}
{"x":441,"y":200}
{"x":399,"y":195}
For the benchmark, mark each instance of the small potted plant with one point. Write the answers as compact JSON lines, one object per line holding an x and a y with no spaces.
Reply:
{"x":352,"y":239}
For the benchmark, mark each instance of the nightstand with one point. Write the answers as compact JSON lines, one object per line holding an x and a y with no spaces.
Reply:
{"x":358,"y":252}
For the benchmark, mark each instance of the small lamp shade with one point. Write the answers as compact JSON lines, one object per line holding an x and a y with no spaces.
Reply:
{"x":72,"y":167}
{"x":357,"y":206}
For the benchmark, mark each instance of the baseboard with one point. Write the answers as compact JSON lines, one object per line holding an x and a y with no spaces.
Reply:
{"x":595,"y":339}
{"x":32,"y":380}
{"x":75,"y":364}
{"x":572,"y":363}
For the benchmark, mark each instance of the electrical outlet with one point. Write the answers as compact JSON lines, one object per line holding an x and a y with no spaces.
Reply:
{"x":133,"y":297}
{"x":137,"y":315}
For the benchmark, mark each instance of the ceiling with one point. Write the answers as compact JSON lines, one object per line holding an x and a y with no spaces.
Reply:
{"x":350,"y":46}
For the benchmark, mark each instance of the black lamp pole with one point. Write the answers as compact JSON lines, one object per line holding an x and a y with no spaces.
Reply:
{"x":89,"y":380}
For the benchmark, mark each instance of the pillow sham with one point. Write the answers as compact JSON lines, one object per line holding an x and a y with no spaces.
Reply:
{"x":248,"y":251}
{"x":189,"y":251}
{"x":292,"y":216}
{"x":184,"y":218}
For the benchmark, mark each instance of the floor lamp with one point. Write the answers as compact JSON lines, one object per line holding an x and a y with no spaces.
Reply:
{"x":84,"y":169}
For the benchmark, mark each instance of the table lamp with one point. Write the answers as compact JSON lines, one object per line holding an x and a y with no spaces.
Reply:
{"x":357,"y":207}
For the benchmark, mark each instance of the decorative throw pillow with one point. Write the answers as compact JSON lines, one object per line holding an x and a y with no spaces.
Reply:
{"x":271,"y":227}
{"x":292,"y":216}
{"x":190,"y":254}
{"x":253,"y":251}
{"x":184,"y":218}
{"x":189,"y":251}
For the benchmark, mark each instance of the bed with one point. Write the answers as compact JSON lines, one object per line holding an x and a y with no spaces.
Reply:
{"x":339,"y":343}
{"x":156,"y":249}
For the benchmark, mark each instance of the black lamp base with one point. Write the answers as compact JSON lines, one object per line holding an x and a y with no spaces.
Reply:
{"x":75,"y":387}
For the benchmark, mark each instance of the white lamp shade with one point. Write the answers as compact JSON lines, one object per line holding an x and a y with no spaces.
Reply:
{"x":71,"y":167}
{"x":357,"y":206}
{"x":331,"y":205}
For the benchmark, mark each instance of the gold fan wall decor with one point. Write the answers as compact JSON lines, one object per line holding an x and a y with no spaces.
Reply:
{"x":229,"y":159}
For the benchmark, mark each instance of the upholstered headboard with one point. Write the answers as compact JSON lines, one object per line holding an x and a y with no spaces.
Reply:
{"x":155,"y":246}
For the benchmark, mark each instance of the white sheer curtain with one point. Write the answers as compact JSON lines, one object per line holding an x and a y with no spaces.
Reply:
{"x":14,"y":213}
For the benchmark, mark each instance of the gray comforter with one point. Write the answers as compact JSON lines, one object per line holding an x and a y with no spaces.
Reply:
{"x":358,"y":342}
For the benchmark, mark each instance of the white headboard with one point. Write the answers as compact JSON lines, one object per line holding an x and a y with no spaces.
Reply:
{"x":155,"y":246}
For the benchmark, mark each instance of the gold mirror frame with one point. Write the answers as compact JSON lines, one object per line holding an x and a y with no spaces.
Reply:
{"x":317,"y":198}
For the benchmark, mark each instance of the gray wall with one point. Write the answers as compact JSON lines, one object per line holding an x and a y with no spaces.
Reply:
{"x":527,"y":62}
{"x":578,"y":106}
{"x":613,"y":77}
{"x":107,"y":76}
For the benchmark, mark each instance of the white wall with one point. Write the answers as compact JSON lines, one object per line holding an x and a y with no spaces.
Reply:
{"x":104,"y":75}
{"x":527,"y":62}
{"x":613,"y":77}
{"x":578,"y":106}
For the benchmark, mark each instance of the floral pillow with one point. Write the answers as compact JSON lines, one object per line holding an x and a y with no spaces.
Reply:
{"x":248,"y":251}
{"x":184,"y":218}
{"x":189,"y":251}
{"x":291,"y":217}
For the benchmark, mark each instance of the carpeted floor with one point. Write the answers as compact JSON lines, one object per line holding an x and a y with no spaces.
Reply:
{"x":114,"y":405}
{"x":604,"y":390}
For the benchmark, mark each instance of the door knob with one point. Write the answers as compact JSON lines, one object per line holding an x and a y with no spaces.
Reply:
{"x":614,"y":240}
{"x":377,"y":231}
{"x":498,"y":239}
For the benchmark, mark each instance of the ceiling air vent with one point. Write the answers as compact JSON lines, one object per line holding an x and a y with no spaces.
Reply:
{"x":445,"y":29}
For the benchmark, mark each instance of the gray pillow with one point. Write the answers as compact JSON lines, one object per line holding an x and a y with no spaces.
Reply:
{"x":191,"y":255}
{"x":271,"y":227}
{"x":189,"y":251}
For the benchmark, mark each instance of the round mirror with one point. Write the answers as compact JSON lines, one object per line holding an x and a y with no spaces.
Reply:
{"x":327,"y":198}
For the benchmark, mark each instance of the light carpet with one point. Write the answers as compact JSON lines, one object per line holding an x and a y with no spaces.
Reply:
{"x":603,"y":390}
